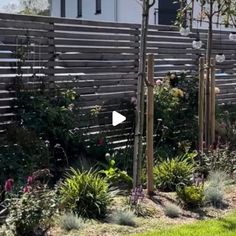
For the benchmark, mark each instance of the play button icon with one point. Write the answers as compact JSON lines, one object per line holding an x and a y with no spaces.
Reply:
{"x":117,"y":118}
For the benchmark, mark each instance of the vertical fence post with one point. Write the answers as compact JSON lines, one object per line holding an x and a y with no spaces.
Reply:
{"x":201,"y":98}
{"x":213,"y":100}
{"x":150,"y":114}
{"x":51,"y":52}
{"x":135,"y":159}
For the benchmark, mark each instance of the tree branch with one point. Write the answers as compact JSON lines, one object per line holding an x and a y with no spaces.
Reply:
{"x":219,"y":10}
{"x":150,"y":5}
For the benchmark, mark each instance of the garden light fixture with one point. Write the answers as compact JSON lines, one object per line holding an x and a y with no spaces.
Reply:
{"x":220,"y":57}
{"x":184,"y":31}
{"x":197,"y":43}
{"x":232,"y":36}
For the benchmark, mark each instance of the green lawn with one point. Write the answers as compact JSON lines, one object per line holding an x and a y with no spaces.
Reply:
{"x":221,"y":227}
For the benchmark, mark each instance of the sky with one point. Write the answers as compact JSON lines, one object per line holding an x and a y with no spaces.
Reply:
{"x":6,"y":2}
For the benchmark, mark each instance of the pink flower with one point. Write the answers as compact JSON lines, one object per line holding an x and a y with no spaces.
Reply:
{"x":9,"y":185}
{"x":30,"y":180}
{"x":159,"y":82}
{"x":27,"y":189}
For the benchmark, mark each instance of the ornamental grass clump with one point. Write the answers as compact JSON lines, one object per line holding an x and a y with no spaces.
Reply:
{"x":70,"y":221}
{"x":214,"y":190}
{"x":124,"y":217}
{"x":171,"y":210}
{"x":85,"y":193}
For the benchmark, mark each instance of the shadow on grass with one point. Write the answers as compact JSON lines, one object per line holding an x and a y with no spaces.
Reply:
{"x":229,"y":225}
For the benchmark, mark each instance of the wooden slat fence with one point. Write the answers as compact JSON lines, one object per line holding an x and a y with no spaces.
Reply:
{"x":99,"y":60}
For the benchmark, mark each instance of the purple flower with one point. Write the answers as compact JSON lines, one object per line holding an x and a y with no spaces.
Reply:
{"x":136,"y":195}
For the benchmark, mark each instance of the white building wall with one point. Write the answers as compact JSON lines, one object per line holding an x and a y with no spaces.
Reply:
{"x":56,"y":8}
{"x":130,"y":11}
{"x":88,"y":10}
{"x":124,"y":11}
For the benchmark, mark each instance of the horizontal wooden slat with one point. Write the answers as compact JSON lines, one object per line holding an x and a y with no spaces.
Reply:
{"x":99,"y":60}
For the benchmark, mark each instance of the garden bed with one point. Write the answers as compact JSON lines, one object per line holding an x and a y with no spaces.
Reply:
{"x":155,"y":219}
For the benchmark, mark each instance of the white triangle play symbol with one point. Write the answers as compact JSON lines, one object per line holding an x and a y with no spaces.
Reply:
{"x":117,"y":118}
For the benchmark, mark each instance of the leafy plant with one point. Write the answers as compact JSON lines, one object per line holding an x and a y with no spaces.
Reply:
{"x":218,"y":160}
{"x":23,"y":153}
{"x":114,"y":175}
{"x":175,"y":112}
{"x":98,"y":146}
{"x":124,"y":217}
{"x":172,"y":210}
{"x":85,"y":193}
{"x":214,"y":190}
{"x":31,"y":210}
{"x":70,"y":221}
{"x":171,"y":172}
{"x":190,"y":196}
{"x":51,"y":114}
{"x":124,"y":159}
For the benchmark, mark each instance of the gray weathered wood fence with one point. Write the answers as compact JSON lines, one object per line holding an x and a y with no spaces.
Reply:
{"x":99,"y":60}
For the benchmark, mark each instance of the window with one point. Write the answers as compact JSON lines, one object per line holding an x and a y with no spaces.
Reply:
{"x":98,"y":7}
{"x":167,"y":12}
{"x":63,"y":8}
{"x":79,"y":8}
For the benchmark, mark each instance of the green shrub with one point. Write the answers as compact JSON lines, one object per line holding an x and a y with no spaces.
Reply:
{"x":115,"y":176}
{"x":22,"y":154}
{"x":172,"y":210}
{"x":175,"y":110}
{"x":31,"y":211}
{"x":124,"y":159}
{"x":218,"y":160}
{"x":85,"y":193}
{"x":71,"y":221}
{"x":124,"y":217}
{"x":190,"y":196}
{"x":51,"y":114}
{"x":169,"y":173}
{"x":214,"y":189}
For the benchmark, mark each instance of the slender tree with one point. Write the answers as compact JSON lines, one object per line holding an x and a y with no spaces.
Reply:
{"x":34,"y":7}
{"x":223,"y":12}
{"x":138,"y":139}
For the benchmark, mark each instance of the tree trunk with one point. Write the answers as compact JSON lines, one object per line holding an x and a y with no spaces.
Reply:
{"x":149,"y":124}
{"x":208,"y":82}
{"x":138,"y":139}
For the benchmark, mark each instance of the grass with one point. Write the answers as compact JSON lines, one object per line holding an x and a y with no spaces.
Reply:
{"x":218,"y":227}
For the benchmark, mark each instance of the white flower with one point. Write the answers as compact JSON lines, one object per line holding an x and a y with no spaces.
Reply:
{"x":217,"y":90}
